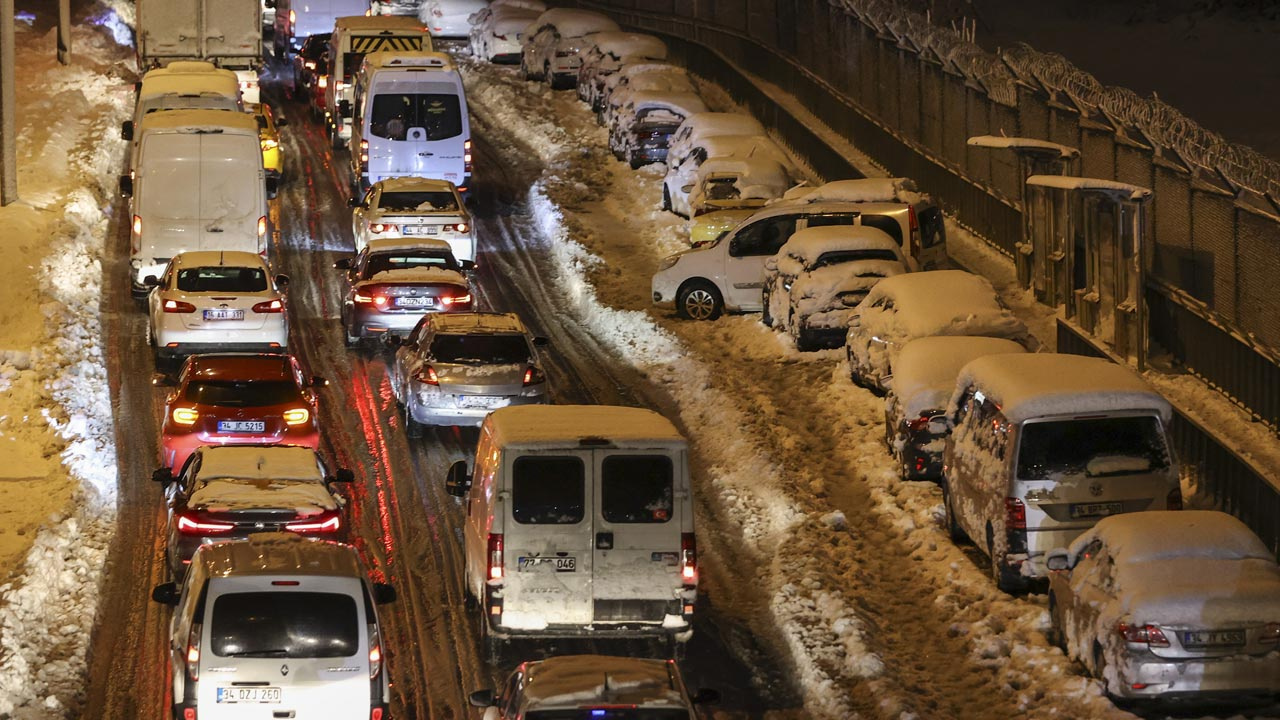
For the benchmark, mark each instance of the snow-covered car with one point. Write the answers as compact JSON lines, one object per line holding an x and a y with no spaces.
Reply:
{"x":1042,"y":447}
{"x":394,"y":7}
{"x":550,"y":46}
{"x":449,"y":18}
{"x":496,"y":31}
{"x":415,"y":207}
{"x":230,"y":492}
{"x":915,"y":410}
{"x":734,"y":183}
{"x":682,"y":170}
{"x":648,"y":76}
{"x":645,"y":124}
{"x":393,"y":282}
{"x":924,"y":304}
{"x":706,"y":124}
{"x":455,"y":368}
{"x":606,"y":54}
{"x":211,"y":301}
{"x":813,"y":284}
{"x":569,"y":686}
{"x":1170,"y":605}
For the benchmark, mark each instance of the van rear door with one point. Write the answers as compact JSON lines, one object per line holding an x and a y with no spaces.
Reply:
{"x":231,"y":192}
{"x":639,"y":515}
{"x":417,"y":128}
{"x":547,"y":540}
{"x":285,"y":646}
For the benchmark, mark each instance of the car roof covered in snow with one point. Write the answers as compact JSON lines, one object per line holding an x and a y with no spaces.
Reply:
{"x":414,"y":184}
{"x":189,"y":77}
{"x":628,"y":44}
{"x":924,"y":374}
{"x":259,"y":462}
{"x":534,"y":6}
{"x":279,"y":553}
{"x":944,"y":302}
{"x":223,"y":258}
{"x":706,"y":124}
{"x":573,"y":681}
{"x":858,"y":190}
{"x":507,"y":20}
{"x":1157,"y":535}
{"x":230,"y":122}
{"x":809,"y":244}
{"x":741,"y":146}
{"x":751,"y":171}
{"x":571,"y":22}
{"x":1051,"y":384}
{"x":398,"y":244}
{"x":401,"y":59}
{"x":570,"y":425}
{"x":647,"y":65}
{"x":679,"y":103}
{"x":477,"y":322}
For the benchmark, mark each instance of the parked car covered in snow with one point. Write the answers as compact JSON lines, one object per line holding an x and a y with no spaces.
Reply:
{"x":496,"y":31}
{"x":550,"y":46}
{"x":415,"y":207}
{"x":449,"y":18}
{"x":820,"y":275}
{"x":1043,"y":446}
{"x":395,"y":281}
{"x":702,"y":125}
{"x":1161,"y":606}
{"x":734,"y":183}
{"x":936,"y":302}
{"x":682,"y":169}
{"x":645,"y":124}
{"x":648,"y":76}
{"x":915,"y":409}
{"x":606,"y":54}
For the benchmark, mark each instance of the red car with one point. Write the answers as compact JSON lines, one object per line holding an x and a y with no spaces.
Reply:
{"x":238,"y":399}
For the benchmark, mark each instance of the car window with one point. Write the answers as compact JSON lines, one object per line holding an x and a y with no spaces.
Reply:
{"x":422,"y":201}
{"x":764,"y":237}
{"x":1096,"y":447}
{"x":636,"y":489}
{"x":887,"y":223}
{"x":222,"y":279}
{"x":285,"y":625}
{"x":933,"y":231}
{"x":547,"y":490}
{"x":609,"y":713}
{"x":828,"y":219}
{"x":438,"y":115}
{"x":464,"y":348}
{"x":381,"y":262}
{"x":241,"y":393}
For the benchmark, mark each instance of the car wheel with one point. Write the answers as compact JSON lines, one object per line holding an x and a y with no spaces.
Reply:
{"x":666,"y":198}
{"x":805,"y":340}
{"x":765,"y":316}
{"x":1100,"y":668}
{"x":1054,"y":634}
{"x":954,"y":531}
{"x":412,"y":428}
{"x":635,"y":162}
{"x":1005,"y":581}
{"x":699,"y":300}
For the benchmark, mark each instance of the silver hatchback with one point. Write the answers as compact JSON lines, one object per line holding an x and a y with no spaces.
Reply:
{"x":453,"y":369}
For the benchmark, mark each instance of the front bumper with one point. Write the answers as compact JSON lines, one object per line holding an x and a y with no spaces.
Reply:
{"x":664,"y":290}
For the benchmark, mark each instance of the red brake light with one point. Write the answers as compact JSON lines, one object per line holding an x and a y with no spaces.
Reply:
{"x":296,"y":416}
{"x":137,"y":224}
{"x":383,"y":227}
{"x":1015,"y":514}
{"x":448,"y":300}
{"x":376,"y":714}
{"x":326,"y":523}
{"x":178,"y":306}
{"x":534,"y":376}
{"x":919,"y":423}
{"x":380,"y":300}
{"x":262,"y":226}
{"x":322,"y":81}
{"x":1149,"y":634}
{"x":495,"y":557}
{"x":188,"y":714}
{"x":375,"y":659}
{"x":688,"y":559}
{"x":269,"y":306}
{"x":427,"y":375}
{"x":189,"y":523}
{"x":461,"y":227}
{"x":466,"y":156}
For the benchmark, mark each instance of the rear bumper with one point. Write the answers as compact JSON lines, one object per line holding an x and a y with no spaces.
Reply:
{"x":372,"y":324}
{"x":1198,"y":678}
{"x":446,"y":412}
{"x":680,"y":633}
{"x":175,"y":350}
{"x":505,"y":58}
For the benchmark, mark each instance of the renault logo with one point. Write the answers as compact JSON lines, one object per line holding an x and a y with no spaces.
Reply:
{"x":284,"y":669}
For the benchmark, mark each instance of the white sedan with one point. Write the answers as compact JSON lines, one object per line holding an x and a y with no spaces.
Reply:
{"x":217,"y":301}
{"x":415,"y":207}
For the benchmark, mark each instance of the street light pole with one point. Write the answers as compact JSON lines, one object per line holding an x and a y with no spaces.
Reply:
{"x":8,"y":146}
{"x":64,"y":32}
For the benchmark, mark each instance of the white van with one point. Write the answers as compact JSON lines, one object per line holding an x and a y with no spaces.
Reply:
{"x":183,"y":85}
{"x":1042,"y":447}
{"x":410,"y":120}
{"x":579,"y":523}
{"x":297,"y":20}
{"x":277,"y":625}
{"x":352,"y":39}
{"x":198,"y":184}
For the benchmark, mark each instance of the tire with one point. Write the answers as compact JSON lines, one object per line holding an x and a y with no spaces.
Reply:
{"x":350,"y":340}
{"x":999,"y":575}
{"x":954,"y":531}
{"x":666,"y":198}
{"x":1054,"y":634}
{"x":765,"y":316}
{"x":699,"y":300}
{"x":805,"y":341}
{"x":634,"y":162}
{"x":412,"y":428}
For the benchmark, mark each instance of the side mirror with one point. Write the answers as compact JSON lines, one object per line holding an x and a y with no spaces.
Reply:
{"x":686,"y":189}
{"x":344,"y":108}
{"x":343,"y":264}
{"x":457,"y":483}
{"x":1058,"y":559}
{"x":126,"y":186}
{"x":705,"y":696}
{"x":162,"y":476}
{"x":383,"y":593}
{"x":282,"y":281}
{"x":165,"y":594}
{"x":343,"y":475}
{"x":482,"y":699}
{"x":317,"y":381}
{"x":126,"y":129}
{"x":734,"y":246}
{"x":273,"y":187}
{"x":151,"y":281}
{"x":540,"y":340}
{"x":771,"y":263}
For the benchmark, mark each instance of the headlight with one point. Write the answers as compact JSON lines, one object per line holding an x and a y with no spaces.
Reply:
{"x":668,"y":262}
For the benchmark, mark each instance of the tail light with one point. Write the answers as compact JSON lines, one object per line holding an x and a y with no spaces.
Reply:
{"x":1149,"y":634}
{"x":534,"y":376}
{"x":191,"y":524}
{"x":186,"y":416}
{"x":1270,"y":634}
{"x":327,"y":522}
{"x":362,"y":299}
{"x":466,"y":156}
{"x":460,"y":227}
{"x":375,"y":660}
{"x":296,"y":416}
{"x":919,"y":424}
{"x":188,"y":713}
{"x":177,"y":306}
{"x":380,"y":300}
{"x":293,"y":17}
{"x":1015,"y":514}
{"x":262,"y":226}
{"x":375,"y":714}
{"x":688,"y":559}
{"x":269,"y":306}
{"x":914,"y":224}
{"x":193,"y":654}
{"x":494,"y":571}
{"x":364,"y":151}
{"x":137,"y":224}
{"x":309,"y":64}
{"x":383,"y":227}
{"x":322,"y":81}
{"x":1174,"y":500}
{"x":338,"y":85}
{"x":448,"y":300}
{"x":427,"y":375}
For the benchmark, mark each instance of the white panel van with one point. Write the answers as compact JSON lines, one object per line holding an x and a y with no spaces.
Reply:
{"x":276,"y":625}
{"x":579,"y":522}
{"x":352,"y":39}
{"x":198,"y":184}
{"x":182,"y":85}
{"x":410,"y":120}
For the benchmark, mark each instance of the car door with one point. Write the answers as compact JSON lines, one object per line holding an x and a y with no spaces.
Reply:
{"x":409,"y":357}
{"x":1091,"y":592}
{"x":748,"y":249}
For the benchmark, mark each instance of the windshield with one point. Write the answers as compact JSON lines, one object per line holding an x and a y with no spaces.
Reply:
{"x":241,"y":393}
{"x":222,"y":279}
{"x":415,"y":116}
{"x":401,"y":201}
{"x":722,"y":189}
{"x":381,"y":262}
{"x":1096,"y":446}
{"x":496,"y":349}
{"x":285,"y":625}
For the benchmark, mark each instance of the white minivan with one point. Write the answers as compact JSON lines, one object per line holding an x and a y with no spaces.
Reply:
{"x":352,"y":39}
{"x":182,"y":85}
{"x":277,"y":625}
{"x":579,"y":523}
{"x":1042,"y":447}
{"x":410,"y":120}
{"x":197,"y":184}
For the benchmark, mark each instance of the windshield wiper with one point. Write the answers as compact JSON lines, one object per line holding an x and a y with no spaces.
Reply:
{"x":259,"y":653}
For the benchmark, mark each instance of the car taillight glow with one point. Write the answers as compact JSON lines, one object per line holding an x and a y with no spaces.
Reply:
{"x":188,"y":714}
{"x":448,"y":300}
{"x":364,"y":151}
{"x":688,"y":559}
{"x":427,"y":375}
{"x":339,"y":85}
{"x":1149,"y":634}
{"x":309,"y":64}
{"x":269,"y":144}
{"x":137,"y":224}
{"x":1173,"y":501}
{"x":188,"y":523}
{"x":293,"y":17}
{"x":296,"y":416}
{"x":362,"y":298}
{"x":322,"y":81}
{"x":380,"y":300}
{"x":185,"y":416}
{"x":495,"y":556}
{"x":177,"y":306}
{"x":1270,"y":633}
{"x":466,"y":155}
{"x":1015,"y":514}
{"x":269,"y":306}
{"x":460,"y":227}
{"x":193,"y":652}
{"x":328,"y":522}
{"x":262,"y":226}
{"x":919,"y":423}
{"x":534,"y":376}
{"x":375,"y":714}
{"x":383,"y":227}
{"x":375,"y":659}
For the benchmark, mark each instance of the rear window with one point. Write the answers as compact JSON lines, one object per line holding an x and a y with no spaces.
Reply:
{"x":381,"y":262}
{"x":480,"y":348}
{"x":547,"y":490}
{"x":419,"y":201}
{"x":588,"y":713}
{"x":241,"y":393}
{"x":886,"y":223}
{"x":636,"y":489}
{"x":285,"y":625}
{"x":222,"y":279}
{"x":398,"y":116}
{"x":1099,"y":447}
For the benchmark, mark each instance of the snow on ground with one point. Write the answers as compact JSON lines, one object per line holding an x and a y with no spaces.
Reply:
{"x":59,"y":484}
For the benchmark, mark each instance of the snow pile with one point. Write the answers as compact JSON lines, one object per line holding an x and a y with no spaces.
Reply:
{"x":571,"y":23}
{"x":924,"y":376}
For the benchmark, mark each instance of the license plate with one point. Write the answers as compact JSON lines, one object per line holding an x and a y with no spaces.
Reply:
{"x":249,"y":695}
{"x":1084,"y":510}
{"x":1212,"y":638}
{"x":241,"y":426}
{"x":561,"y":564}
{"x":421,"y":229}
{"x":415,"y":302}
{"x":223,"y":314}
{"x":478,"y":400}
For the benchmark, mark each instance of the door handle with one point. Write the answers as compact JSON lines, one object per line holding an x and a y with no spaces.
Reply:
{"x":604,"y":541}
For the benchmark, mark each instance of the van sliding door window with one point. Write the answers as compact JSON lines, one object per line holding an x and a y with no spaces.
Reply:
{"x":547,"y":490}
{"x":396,"y":115}
{"x":636,"y":489}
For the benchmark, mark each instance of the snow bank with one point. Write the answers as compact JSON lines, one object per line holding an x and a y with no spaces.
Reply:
{"x":571,"y":23}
